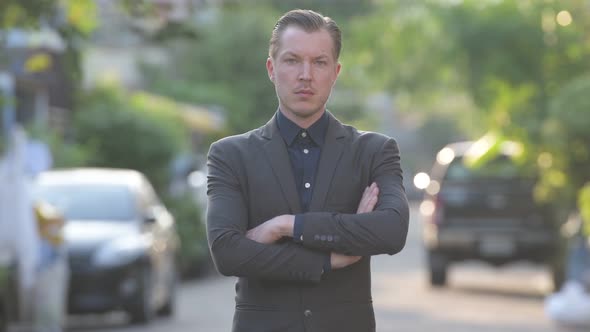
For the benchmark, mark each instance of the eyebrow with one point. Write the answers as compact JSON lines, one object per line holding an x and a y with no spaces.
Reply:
{"x":292,"y":54}
{"x":289,"y":54}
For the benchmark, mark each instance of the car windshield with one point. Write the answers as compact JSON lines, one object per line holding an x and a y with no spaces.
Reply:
{"x":497,"y":169}
{"x":90,"y":201}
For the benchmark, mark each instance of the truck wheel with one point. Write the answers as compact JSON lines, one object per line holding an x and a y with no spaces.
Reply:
{"x":438,"y":265}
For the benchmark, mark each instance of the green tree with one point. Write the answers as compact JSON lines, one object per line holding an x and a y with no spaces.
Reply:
{"x":523,"y":64}
{"x":224,"y":67}
{"x":519,"y":63}
{"x":120,"y":131}
{"x":566,"y":141}
{"x":73,"y":19}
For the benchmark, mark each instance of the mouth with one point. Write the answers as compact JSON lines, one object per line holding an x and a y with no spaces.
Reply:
{"x":304,"y":92}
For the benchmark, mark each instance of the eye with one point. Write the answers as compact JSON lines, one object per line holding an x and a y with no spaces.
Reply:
{"x":290,"y":61}
{"x":321,"y":62}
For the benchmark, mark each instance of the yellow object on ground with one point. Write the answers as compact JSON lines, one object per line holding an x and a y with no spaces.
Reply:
{"x":50,"y":222}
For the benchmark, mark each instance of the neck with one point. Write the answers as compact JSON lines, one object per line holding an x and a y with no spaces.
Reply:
{"x":303,"y":122}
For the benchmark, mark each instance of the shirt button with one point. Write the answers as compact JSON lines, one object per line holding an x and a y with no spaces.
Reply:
{"x":304,"y":134}
{"x":306,"y":151}
{"x":307,"y":185}
{"x":307,"y":313}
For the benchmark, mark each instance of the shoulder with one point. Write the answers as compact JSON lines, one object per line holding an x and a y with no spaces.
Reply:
{"x":368,"y":139}
{"x":235,"y":143}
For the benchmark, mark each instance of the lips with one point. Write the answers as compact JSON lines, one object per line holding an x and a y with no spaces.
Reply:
{"x":304,"y":92}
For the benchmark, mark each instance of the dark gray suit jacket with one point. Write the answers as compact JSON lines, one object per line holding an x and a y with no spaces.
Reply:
{"x":281,"y":286}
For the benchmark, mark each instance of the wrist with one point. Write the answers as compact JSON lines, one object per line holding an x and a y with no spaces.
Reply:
{"x":286,"y":225}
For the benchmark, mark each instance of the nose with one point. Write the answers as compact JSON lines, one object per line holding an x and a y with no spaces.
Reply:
{"x":305,"y":74}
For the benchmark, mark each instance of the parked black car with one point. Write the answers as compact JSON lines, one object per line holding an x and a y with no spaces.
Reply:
{"x":121,"y":240}
{"x":485,"y":212}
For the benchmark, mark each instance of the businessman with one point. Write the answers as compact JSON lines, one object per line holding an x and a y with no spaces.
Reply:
{"x":298,"y":206}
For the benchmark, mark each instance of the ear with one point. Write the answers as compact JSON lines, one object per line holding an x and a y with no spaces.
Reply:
{"x":338,"y":66}
{"x":270,"y":69}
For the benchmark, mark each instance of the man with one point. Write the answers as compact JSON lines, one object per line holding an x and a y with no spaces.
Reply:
{"x":298,"y":206}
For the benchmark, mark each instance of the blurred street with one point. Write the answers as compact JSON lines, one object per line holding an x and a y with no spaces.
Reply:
{"x":478,"y":298}
{"x":109,"y":111}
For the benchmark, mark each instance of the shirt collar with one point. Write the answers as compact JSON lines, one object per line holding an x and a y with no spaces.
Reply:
{"x":289,"y":129}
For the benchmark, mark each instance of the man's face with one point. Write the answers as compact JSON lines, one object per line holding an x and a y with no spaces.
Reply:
{"x":303,"y":71}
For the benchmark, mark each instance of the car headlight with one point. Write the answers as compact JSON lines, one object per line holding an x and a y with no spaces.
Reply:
{"x":121,"y":251}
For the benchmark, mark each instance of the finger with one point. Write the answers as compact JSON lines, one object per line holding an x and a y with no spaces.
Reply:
{"x":375,"y":192}
{"x":366,"y":192}
{"x":363,"y":201}
{"x":361,"y":208}
{"x":364,"y":204}
{"x":370,"y":201}
{"x":371,"y":204}
{"x":367,"y":203}
{"x":374,"y":186}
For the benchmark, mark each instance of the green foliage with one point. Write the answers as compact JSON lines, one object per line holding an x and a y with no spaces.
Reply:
{"x":23,"y":13}
{"x":522,"y":70}
{"x":73,"y":19}
{"x":399,"y":47}
{"x":79,"y":14}
{"x":120,"y":133}
{"x":571,"y":109}
{"x":584,"y":207}
{"x":64,"y":153}
{"x":194,"y":250}
{"x":339,"y":10}
{"x":225,"y":67}
{"x":567,"y":138}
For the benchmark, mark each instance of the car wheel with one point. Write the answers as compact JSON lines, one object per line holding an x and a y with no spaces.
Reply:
{"x":141,"y":310}
{"x":167,"y":309}
{"x":438,"y":265}
{"x":557,"y":274}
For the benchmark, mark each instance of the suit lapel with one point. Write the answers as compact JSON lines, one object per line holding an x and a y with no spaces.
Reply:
{"x":276,"y":153}
{"x":329,"y":158}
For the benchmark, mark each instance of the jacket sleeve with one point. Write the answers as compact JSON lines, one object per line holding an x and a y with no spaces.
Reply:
{"x":227,"y":223}
{"x":382,"y":231}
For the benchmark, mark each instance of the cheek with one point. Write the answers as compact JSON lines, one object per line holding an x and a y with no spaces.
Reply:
{"x":327,"y":83}
{"x":286,"y":75}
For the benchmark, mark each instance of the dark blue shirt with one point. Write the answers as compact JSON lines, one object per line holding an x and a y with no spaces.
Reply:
{"x":304,"y":147}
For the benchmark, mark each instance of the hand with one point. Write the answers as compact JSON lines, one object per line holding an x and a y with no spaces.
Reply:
{"x":369,"y":199}
{"x":339,"y":261}
{"x":272,"y":230}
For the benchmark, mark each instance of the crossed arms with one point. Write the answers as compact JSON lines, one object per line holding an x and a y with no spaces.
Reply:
{"x":379,"y":226}
{"x":282,"y":226}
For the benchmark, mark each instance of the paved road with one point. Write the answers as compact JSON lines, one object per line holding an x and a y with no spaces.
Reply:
{"x":479,"y":298}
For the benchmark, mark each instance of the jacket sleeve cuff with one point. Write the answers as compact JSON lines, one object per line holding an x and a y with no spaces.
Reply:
{"x":298,"y":229}
{"x":327,"y":264}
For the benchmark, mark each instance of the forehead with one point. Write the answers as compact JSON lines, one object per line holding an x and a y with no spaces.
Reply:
{"x":297,"y":41}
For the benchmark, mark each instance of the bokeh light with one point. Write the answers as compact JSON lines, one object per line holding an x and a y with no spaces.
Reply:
{"x":421,"y":180}
{"x":564,"y":18}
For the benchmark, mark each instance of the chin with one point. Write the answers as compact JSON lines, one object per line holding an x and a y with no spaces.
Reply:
{"x":307,"y":112}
